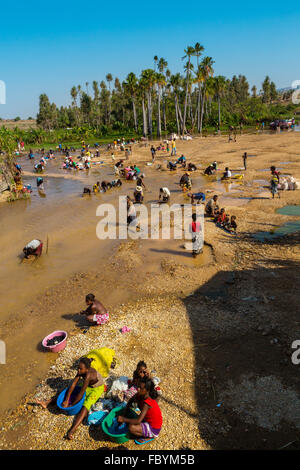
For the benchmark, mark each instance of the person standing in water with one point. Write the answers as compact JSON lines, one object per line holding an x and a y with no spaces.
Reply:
{"x":245,"y":156}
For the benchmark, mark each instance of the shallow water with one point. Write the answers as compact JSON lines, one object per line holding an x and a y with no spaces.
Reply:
{"x":286,"y":229}
{"x":293,"y":210}
{"x":69,"y":221}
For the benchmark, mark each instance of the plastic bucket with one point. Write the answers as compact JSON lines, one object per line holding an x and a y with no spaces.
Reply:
{"x":107,"y":422}
{"x":56,"y":347}
{"x":70,"y":410}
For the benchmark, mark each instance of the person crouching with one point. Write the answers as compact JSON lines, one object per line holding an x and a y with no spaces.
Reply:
{"x":35,"y":247}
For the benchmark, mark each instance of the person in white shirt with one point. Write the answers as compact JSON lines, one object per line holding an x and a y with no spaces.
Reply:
{"x":165,"y":194}
{"x":227,"y":173}
{"x":34,"y":247}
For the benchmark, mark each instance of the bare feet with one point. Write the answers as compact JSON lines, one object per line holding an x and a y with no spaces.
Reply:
{"x":43,"y":404}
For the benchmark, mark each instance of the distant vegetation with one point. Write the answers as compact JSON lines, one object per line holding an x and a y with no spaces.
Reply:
{"x":154,"y":104}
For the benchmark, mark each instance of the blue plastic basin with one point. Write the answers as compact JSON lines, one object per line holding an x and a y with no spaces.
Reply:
{"x":70,"y":410}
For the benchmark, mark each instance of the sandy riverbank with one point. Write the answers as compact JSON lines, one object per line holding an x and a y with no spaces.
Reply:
{"x":217,"y":342}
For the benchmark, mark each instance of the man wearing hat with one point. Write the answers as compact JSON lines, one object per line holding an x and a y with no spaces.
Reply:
{"x":138,"y":194}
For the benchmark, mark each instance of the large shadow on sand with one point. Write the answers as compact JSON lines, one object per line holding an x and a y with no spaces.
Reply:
{"x":234,"y":318}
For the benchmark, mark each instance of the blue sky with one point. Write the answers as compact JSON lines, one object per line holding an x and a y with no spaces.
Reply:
{"x":47,"y":47}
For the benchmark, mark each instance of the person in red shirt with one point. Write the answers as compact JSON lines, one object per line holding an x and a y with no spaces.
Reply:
{"x":147,"y":425}
{"x":197,"y":239}
{"x":221,"y":217}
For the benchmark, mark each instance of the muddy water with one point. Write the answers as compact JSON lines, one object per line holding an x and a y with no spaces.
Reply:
{"x":68,"y":220}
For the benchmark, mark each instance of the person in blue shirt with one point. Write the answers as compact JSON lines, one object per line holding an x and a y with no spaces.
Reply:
{"x":182,"y":160}
{"x":199,"y":197}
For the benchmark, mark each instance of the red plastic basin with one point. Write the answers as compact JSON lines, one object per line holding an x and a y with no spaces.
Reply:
{"x":56,"y":347}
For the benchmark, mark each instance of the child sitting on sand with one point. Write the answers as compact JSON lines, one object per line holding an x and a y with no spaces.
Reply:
{"x":147,"y":425}
{"x":231,"y":224}
{"x":140,"y":372}
{"x":220,"y":218}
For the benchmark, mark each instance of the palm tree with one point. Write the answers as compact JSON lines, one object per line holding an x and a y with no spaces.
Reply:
{"x":161,"y":82}
{"x":162,"y":65}
{"x":131,"y":90}
{"x":142,"y":87}
{"x":198,"y":52}
{"x":148,"y":77}
{"x":155,"y":59}
{"x":109,"y":79}
{"x":189,"y":52}
{"x":175,"y":82}
{"x":219,"y":85}
{"x":207,"y":71}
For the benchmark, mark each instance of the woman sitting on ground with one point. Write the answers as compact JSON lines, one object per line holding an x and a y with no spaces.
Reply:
{"x":91,"y":382}
{"x":96,"y":313}
{"x":147,"y":425}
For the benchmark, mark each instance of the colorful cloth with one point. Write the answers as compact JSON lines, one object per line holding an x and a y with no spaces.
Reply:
{"x":149,"y":431}
{"x":103,"y":358}
{"x":92,"y":395}
{"x":153,"y":415}
{"x":101,"y":318}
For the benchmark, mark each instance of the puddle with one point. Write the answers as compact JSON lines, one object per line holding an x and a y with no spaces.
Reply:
{"x":261,"y":182}
{"x":268,"y":169}
{"x":285,"y":163}
{"x":286,"y":229}
{"x":293,"y":210}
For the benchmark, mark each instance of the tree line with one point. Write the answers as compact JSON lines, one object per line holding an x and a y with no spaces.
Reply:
{"x":160,"y":102}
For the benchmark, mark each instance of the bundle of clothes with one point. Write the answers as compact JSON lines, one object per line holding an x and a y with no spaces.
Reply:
{"x":288,"y":183}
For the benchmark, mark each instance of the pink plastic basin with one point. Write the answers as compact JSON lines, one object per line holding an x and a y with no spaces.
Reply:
{"x":57,"y":347}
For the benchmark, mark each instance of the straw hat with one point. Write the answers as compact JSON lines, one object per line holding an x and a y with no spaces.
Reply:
{"x":139,"y":189}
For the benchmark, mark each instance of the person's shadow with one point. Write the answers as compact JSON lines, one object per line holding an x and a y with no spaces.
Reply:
{"x":80,"y":320}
